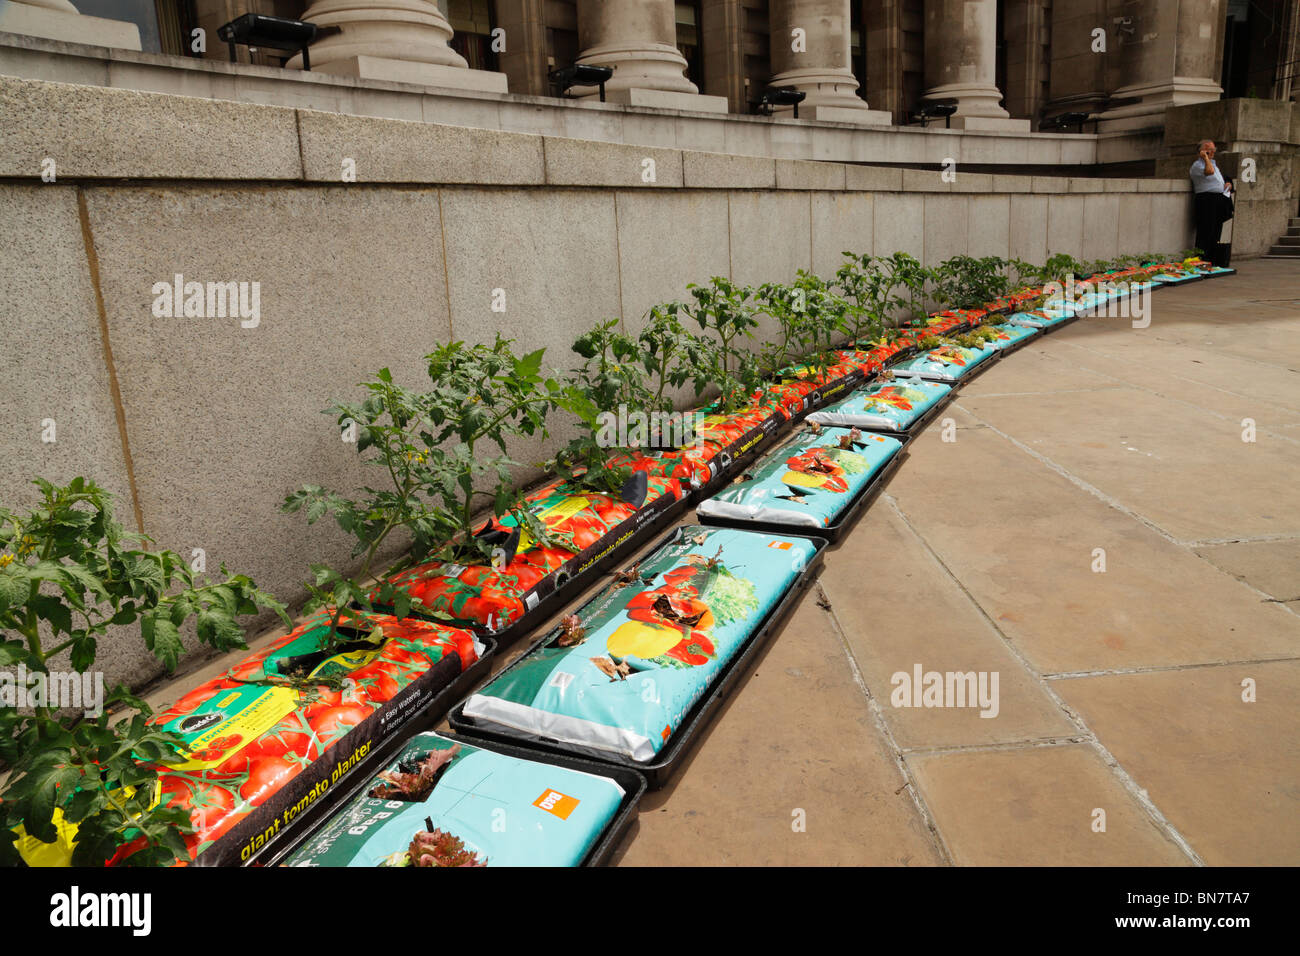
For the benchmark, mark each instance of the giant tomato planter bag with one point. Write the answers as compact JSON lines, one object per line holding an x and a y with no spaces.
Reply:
{"x":263,"y":751}
{"x":946,"y":363}
{"x":447,"y":803}
{"x":1009,"y":336}
{"x":807,"y":482}
{"x":884,"y":406}
{"x":619,"y":677}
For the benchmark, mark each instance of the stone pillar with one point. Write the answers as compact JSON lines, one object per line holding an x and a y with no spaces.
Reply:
{"x":1077,"y":82}
{"x":810,"y":51}
{"x":882,"y":24}
{"x":961,"y":62}
{"x":638,"y":38}
{"x":722,"y":51}
{"x":400,"y":40}
{"x":1168,"y":54}
{"x":523,"y":60}
{"x":60,"y":20}
{"x":1025,"y":31}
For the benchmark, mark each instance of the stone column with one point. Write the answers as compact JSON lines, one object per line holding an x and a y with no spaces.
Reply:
{"x":1166,"y":54}
{"x":961,"y":62}
{"x":1077,"y":81}
{"x":60,"y":20}
{"x":810,"y":51}
{"x":882,"y":24}
{"x":400,"y":40}
{"x":524,"y":58}
{"x":638,"y":38}
{"x":722,"y":51}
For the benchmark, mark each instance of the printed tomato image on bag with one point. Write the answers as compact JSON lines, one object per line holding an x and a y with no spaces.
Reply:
{"x":885,"y":406}
{"x":271,"y":736}
{"x":621,"y":674}
{"x":807,"y":482}
{"x":449,"y":803}
{"x":944,"y":363}
{"x":584,"y":527}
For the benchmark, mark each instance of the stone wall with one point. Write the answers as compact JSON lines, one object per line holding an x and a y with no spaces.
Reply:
{"x":202,"y":425}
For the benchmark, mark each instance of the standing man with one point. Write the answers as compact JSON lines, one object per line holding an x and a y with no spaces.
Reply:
{"x":1207,"y":180}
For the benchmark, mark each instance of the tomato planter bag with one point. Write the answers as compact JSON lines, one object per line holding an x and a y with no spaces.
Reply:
{"x":617,"y":678}
{"x":1009,"y":336}
{"x":447,"y":803}
{"x":273,"y":735}
{"x":588,"y":527}
{"x":1044,"y":318}
{"x":807,"y":482}
{"x":946,"y":363}
{"x":885,"y":406}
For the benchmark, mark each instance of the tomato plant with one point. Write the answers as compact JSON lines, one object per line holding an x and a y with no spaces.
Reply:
{"x":69,"y":572}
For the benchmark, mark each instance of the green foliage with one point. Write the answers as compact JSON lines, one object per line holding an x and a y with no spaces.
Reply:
{"x":725,"y":310}
{"x":867,"y":282}
{"x":911,"y":279}
{"x":430,"y":448}
{"x":964,"y":282}
{"x":69,"y":572}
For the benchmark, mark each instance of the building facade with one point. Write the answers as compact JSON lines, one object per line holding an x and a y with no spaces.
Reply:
{"x":1004,"y":64}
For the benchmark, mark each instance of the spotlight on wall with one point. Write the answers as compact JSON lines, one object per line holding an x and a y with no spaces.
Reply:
{"x":1064,"y":120}
{"x":581,"y":74}
{"x":933,"y":111}
{"x":277,"y":33}
{"x":775,"y":96}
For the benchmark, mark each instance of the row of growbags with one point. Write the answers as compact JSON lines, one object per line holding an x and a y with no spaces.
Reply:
{"x":585,"y":526}
{"x":892,"y":406}
{"x":944,"y":363}
{"x":447,"y":803}
{"x":617,"y":679}
{"x":284,"y":726}
{"x":807,"y":482}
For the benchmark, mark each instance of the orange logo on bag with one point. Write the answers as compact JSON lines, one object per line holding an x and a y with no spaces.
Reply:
{"x":554,"y":802}
{"x":667,"y":731}
{"x":780,"y":545}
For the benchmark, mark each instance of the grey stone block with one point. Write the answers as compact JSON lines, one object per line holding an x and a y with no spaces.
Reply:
{"x":725,"y":171}
{"x":799,"y":174}
{"x":576,"y":162}
{"x":393,"y":151}
{"x":95,"y":132}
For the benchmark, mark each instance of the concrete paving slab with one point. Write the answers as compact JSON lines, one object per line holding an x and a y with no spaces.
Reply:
{"x":1021,"y":538}
{"x":1224,"y":772}
{"x":1038,"y":807}
{"x":1188,"y":472}
{"x":908,"y":611}
{"x":1271,"y":566}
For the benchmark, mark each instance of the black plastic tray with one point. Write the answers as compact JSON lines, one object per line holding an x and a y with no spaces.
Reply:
{"x":361,"y":775}
{"x":832,"y":532}
{"x":666,"y":761}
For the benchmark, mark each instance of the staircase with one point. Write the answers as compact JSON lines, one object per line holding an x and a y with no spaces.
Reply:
{"x":1288,"y":246}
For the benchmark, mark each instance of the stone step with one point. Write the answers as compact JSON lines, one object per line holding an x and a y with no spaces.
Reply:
{"x":1288,"y":240}
{"x":1284,"y":252}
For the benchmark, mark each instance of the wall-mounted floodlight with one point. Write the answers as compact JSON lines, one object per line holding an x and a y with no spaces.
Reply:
{"x":581,"y":74}
{"x":254,"y":30}
{"x":933,"y":111}
{"x":775,"y":96}
{"x":1064,"y":120}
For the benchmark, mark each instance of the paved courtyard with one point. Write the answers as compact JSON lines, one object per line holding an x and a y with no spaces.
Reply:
{"x":1120,"y":690}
